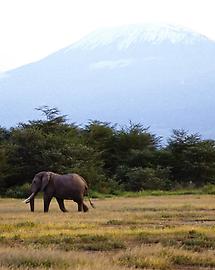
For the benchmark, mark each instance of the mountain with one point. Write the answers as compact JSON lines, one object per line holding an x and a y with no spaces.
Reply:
{"x":160,"y":75}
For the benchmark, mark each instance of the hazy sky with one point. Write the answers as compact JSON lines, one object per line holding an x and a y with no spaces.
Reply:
{"x":32,"y":29}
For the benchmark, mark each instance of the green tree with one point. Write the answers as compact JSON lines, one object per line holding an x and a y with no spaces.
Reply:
{"x":193,"y":159}
{"x":135,"y":147}
{"x":49,"y":144}
{"x":148,"y":179}
{"x":101,"y":136}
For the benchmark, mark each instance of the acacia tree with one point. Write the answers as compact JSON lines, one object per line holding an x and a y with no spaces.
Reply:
{"x":193,"y":159}
{"x":135,"y":147}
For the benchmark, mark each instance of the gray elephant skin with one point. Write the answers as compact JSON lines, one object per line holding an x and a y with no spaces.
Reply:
{"x":62,"y":187}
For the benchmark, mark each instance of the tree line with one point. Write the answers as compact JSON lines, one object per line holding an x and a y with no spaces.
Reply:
{"x":111,"y":158}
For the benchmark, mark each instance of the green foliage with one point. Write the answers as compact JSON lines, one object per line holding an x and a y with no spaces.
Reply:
{"x":18,"y":191}
{"x":193,"y":160}
{"x":147,"y":178}
{"x":110,"y":158}
{"x":209,"y":189}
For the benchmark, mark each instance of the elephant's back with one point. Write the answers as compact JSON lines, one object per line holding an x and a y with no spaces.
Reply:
{"x":70,"y":185}
{"x":73,"y":179}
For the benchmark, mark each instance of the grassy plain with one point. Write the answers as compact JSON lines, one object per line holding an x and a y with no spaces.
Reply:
{"x":165,"y":232}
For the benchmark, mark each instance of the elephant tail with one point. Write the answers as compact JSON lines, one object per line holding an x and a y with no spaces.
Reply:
{"x":92,"y":204}
{"x":87,"y":193}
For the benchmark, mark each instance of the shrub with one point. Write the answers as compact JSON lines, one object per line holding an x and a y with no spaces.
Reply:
{"x":209,"y":189}
{"x":18,"y":191}
{"x":148,"y":178}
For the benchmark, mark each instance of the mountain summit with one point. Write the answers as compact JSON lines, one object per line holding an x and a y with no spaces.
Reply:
{"x":126,"y":36}
{"x":159,"y":75}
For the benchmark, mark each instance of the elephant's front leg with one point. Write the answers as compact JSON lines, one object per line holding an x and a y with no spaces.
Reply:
{"x":47,"y":200}
{"x":61,"y":205}
{"x":32,"y":204}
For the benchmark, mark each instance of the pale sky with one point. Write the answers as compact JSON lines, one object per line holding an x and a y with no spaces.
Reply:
{"x":33,"y":29}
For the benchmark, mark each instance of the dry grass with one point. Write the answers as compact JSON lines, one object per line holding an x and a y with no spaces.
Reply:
{"x":167,"y":232}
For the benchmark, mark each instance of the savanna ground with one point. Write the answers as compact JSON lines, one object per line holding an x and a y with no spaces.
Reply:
{"x":165,"y":232}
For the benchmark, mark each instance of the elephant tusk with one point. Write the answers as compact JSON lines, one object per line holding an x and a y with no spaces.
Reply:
{"x":29,"y":198}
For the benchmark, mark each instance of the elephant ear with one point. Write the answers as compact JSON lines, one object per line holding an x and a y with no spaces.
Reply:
{"x":45,"y":180}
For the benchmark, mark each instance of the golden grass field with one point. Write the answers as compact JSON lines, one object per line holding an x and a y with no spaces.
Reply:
{"x":165,"y":232}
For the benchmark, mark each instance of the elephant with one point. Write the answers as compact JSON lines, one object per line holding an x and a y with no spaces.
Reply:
{"x":62,"y":187}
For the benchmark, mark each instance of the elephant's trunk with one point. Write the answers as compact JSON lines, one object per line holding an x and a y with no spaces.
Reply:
{"x":30,"y":198}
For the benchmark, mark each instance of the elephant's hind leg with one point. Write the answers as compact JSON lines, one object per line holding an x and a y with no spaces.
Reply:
{"x":80,"y":206}
{"x":61,"y":205}
{"x":85,"y":207}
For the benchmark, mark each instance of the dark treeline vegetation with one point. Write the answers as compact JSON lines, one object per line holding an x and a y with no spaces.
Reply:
{"x":110,"y":158}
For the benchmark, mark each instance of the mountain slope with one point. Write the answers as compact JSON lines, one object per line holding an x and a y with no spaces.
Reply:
{"x":159,"y":75}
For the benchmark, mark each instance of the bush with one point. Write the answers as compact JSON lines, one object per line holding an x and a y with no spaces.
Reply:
{"x":18,"y":191}
{"x":209,"y":189}
{"x":148,"y":178}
